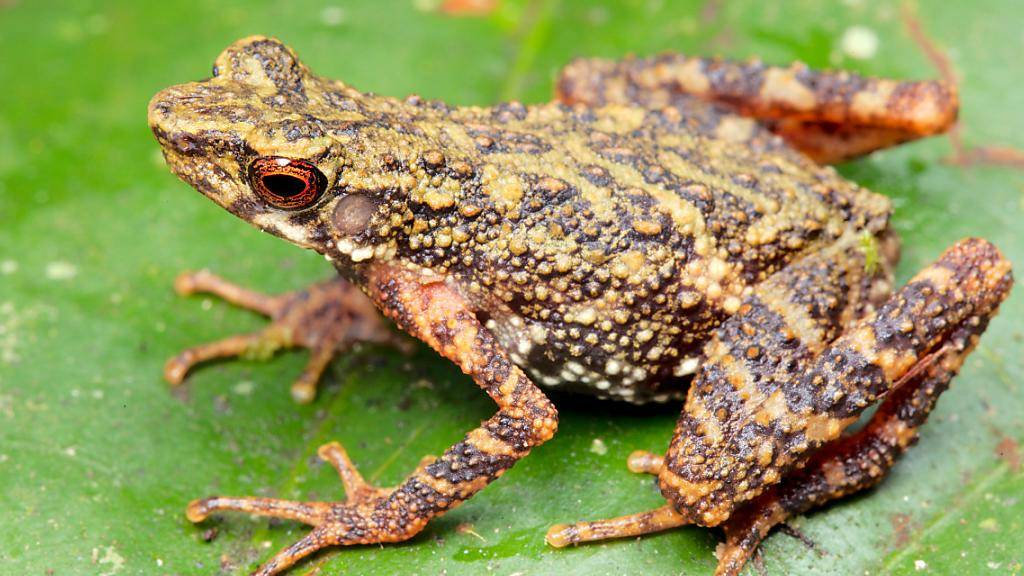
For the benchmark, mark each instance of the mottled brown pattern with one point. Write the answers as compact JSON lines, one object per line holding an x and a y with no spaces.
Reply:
{"x":854,"y":463}
{"x":830,"y":116}
{"x":746,"y":426}
{"x":655,"y":224}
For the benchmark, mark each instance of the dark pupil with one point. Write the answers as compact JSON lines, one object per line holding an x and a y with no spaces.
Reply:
{"x":284,"y":185}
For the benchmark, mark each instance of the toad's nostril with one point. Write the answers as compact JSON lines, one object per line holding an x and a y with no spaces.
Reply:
{"x":159,"y":108}
{"x":184,"y":143}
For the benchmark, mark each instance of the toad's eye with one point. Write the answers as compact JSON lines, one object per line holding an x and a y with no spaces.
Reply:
{"x":286,"y":183}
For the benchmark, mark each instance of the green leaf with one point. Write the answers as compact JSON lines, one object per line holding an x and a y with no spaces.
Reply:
{"x":98,"y":457}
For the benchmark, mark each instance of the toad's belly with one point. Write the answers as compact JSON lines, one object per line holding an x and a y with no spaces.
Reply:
{"x":540,"y":350}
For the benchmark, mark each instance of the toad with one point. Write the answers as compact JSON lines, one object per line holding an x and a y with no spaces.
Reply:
{"x":666,"y":228}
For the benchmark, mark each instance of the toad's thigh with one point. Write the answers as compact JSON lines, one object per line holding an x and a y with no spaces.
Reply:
{"x":830,"y":116}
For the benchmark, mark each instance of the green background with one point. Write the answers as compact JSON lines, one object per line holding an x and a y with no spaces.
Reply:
{"x":98,"y":457}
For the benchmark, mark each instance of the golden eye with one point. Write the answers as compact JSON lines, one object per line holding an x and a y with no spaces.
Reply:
{"x":286,"y":183}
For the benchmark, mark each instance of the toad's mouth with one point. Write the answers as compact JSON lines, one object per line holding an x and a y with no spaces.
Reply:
{"x":216,"y":183}
{"x":205,"y":176}
{"x":197,"y":158}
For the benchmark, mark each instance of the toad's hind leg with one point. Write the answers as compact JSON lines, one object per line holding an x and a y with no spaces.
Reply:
{"x":763,"y":404}
{"x":326,"y":318}
{"x":795,"y":313}
{"x":750,"y":417}
{"x":433,"y":312}
{"x":830,"y":116}
{"x":852,"y":464}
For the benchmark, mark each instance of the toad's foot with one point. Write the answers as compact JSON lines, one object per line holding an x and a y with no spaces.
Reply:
{"x":326,"y":318}
{"x":369,"y":515}
{"x":657,"y":520}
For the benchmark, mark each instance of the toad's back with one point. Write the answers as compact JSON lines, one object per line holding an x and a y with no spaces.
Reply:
{"x":610,"y":240}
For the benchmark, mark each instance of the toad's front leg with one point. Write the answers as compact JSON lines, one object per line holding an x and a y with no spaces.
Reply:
{"x":327,"y":318}
{"x":435,"y":313}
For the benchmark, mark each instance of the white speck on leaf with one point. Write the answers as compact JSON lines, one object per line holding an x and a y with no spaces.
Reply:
{"x":8,"y":267}
{"x":243,"y":388}
{"x":111,"y":557}
{"x":989,"y":525}
{"x":920,"y":565}
{"x":61,"y":270}
{"x":859,"y":42}
{"x":598,"y":447}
